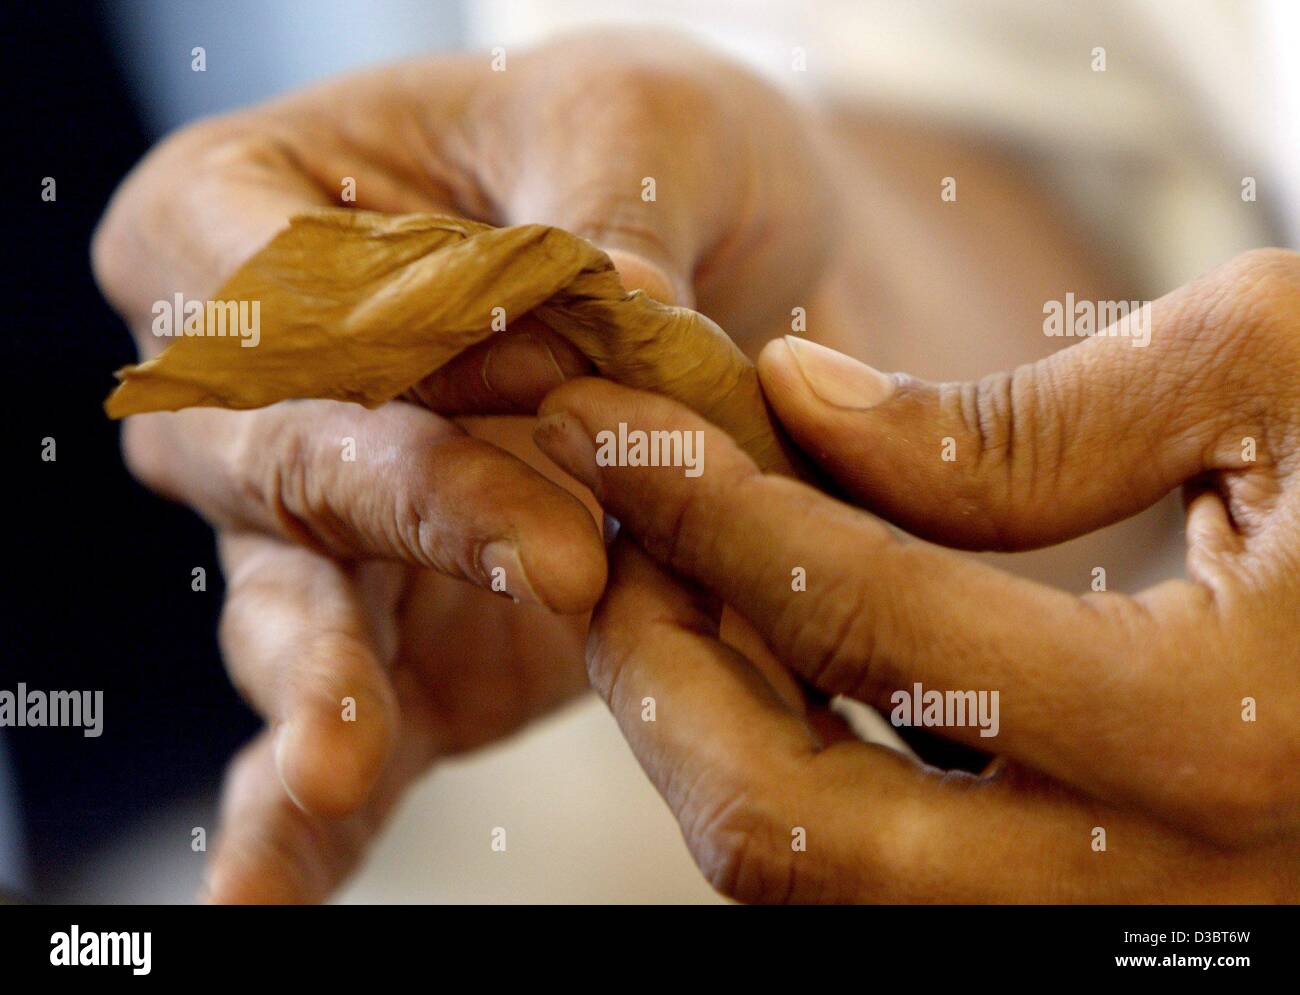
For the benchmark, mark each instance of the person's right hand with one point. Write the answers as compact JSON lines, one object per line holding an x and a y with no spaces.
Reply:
{"x":1148,"y":745}
{"x":337,"y":570}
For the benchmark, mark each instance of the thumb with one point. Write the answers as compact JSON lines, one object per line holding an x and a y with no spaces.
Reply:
{"x":1054,"y":449}
{"x":645,"y":254}
{"x":659,"y":278}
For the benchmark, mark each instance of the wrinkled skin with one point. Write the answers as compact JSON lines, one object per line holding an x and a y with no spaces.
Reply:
{"x":346,"y":580}
{"x":1169,"y":719}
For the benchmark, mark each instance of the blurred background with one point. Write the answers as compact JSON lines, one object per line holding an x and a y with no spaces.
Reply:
{"x":1199,"y":95}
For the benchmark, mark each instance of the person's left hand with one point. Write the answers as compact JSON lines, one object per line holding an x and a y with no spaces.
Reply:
{"x":1149,"y":745}
{"x":339,"y":570}
{"x":440,"y":666}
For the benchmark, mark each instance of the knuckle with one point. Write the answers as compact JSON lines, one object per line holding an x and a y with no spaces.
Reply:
{"x":1250,"y":302}
{"x":1228,"y":781}
{"x":422,"y":496}
{"x":985,"y":413}
{"x":742,"y":850}
{"x":636,"y":77}
{"x":660,"y":92}
{"x":609,"y":650}
{"x":251,"y":630}
{"x":110,"y":256}
{"x":285,"y":478}
{"x":190,"y":140}
{"x":1245,"y":800}
{"x":695,"y":521}
{"x":338,"y":661}
{"x":1267,"y":297}
{"x":232,"y":629}
{"x":271,"y":463}
{"x":143,"y":207}
{"x":230,"y":625}
{"x":833,"y":642}
{"x":899,"y":866}
{"x":1265,"y":276}
{"x":687,"y":527}
{"x":251,"y":601}
{"x":843,"y":642}
{"x":986,"y":418}
{"x":1009,"y":439}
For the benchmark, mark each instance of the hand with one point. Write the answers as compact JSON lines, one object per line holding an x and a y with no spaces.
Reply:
{"x":338,"y":570}
{"x":1169,"y":720}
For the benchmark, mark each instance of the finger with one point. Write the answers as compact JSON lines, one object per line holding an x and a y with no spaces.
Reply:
{"x":596,"y":188}
{"x":396,"y":482}
{"x":707,"y":729}
{"x":1010,"y":836}
{"x":269,"y":850}
{"x":645,"y":608}
{"x":510,"y":373}
{"x":854,"y":610}
{"x":1087,"y":436}
{"x":299,"y":648}
{"x":664,"y":176}
{"x":220,"y":178}
{"x":213,"y":193}
{"x":939,"y":640}
{"x":769,"y":819}
{"x":1213,"y":544}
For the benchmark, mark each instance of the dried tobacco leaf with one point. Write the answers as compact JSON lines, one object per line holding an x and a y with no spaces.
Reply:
{"x":359,"y":306}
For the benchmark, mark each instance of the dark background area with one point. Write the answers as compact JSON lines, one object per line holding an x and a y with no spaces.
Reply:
{"x":98,"y":591}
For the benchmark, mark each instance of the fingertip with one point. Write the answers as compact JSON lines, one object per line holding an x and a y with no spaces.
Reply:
{"x":775,"y":356}
{"x":638,"y":271}
{"x":238,"y":880}
{"x":1212,"y":539}
{"x":574,"y":396}
{"x":329,"y":759}
{"x":568,"y":575}
{"x":563,"y":438}
{"x":779,"y":375}
{"x":823,"y":379}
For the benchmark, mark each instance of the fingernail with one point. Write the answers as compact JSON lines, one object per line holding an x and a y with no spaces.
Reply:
{"x":838,"y":379}
{"x":504,"y":571}
{"x":288,"y":739}
{"x":563,"y":439}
